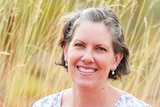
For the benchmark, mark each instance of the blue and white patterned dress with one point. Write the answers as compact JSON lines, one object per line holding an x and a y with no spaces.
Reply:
{"x":126,"y":100}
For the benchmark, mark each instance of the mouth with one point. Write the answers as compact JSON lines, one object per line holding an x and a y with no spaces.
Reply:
{"x":86,"y":70}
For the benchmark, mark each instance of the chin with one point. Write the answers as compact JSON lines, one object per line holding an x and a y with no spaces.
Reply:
{"x":84,"y":85}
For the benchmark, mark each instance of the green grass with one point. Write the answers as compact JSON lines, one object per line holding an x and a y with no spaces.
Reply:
{"x":29,"y":34}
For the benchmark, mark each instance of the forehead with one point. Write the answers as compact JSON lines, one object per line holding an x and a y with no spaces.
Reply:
{"x":92,"y":31}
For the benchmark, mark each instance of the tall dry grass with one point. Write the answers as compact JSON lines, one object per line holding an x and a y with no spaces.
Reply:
{"x":29,"y":34}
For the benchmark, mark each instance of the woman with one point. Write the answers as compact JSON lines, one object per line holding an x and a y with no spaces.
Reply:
{"x":93,"y":52}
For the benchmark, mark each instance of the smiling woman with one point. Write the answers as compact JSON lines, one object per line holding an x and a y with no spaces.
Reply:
{"x":89,"y":64}
{"x":93,"y":52}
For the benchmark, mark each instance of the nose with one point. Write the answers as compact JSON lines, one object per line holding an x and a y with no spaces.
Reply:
{"x":87,"y":56}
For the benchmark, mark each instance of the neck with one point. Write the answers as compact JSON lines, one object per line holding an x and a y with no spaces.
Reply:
{"x":97,"y":97}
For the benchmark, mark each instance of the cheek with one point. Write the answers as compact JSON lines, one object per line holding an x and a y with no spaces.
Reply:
{"x":104,"y":62}
{"x":73,"y":57}
{"x":105,"y":66}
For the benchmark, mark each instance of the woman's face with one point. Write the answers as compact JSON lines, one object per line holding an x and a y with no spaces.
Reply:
{"x":90,"y":55}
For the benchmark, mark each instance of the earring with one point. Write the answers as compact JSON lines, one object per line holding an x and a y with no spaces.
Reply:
{"x":66,"y":64}
{"x":113,"y":72}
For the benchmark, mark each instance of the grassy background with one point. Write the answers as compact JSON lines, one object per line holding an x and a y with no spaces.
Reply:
{"x":29,"y":34}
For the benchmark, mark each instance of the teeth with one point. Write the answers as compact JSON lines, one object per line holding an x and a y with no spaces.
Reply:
{"x":86,"y":70}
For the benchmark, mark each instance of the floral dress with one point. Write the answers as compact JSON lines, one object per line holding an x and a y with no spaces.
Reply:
{"x":125,"y":100}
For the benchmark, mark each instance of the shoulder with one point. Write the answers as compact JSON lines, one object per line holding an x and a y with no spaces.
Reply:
{"x":53,"y":100}
{"x":127,"y":100}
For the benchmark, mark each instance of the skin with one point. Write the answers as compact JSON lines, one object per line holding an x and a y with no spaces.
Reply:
{"x":90,"y":58}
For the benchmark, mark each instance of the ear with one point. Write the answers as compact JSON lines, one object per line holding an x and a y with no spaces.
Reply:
{"x":65,"y":51}
{"x":118,"y":58}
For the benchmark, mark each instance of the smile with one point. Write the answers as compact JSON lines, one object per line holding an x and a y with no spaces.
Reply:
{"x":86,"y":70}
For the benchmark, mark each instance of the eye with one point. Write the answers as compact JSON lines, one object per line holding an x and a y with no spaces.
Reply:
{"x":79,"y":45}
{"x":101,"y":49}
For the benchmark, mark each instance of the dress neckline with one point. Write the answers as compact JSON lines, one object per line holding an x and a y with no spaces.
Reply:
{"x":118,"y":101}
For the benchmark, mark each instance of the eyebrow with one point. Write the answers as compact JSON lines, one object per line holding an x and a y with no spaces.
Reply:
{"x":77,"y":40}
